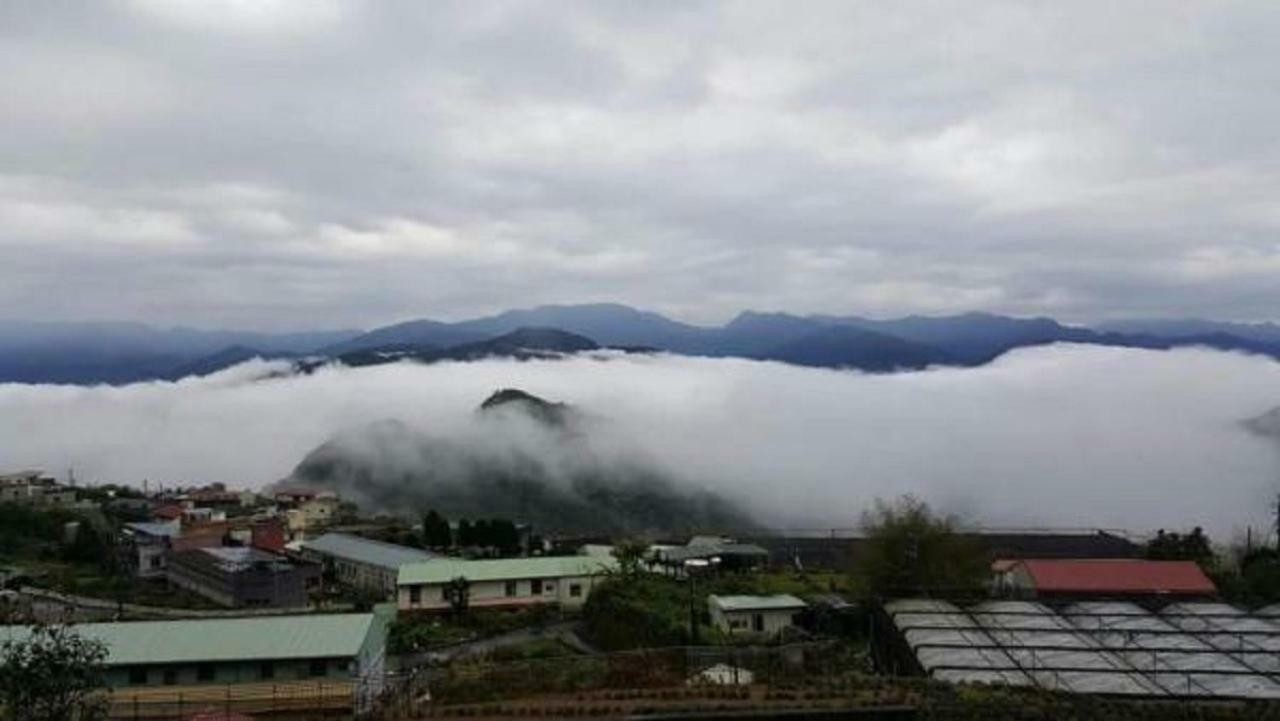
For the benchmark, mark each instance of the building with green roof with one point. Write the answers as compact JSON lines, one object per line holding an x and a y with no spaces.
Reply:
{"x":238,"y":650}
{"x":505,"y":582}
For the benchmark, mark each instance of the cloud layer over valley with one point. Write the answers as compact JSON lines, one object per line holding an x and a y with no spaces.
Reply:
{"x":1061,"y":435}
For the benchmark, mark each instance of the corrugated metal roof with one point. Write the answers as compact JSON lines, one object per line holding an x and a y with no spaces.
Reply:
{"x":157,"y":529}
{"x":443,"y":570}
{"x":708,"y":550}
{"x":756,"y":603}
{"x":363,"y":550}
{"x":1117,"y":576}
{"x":1187,"y":649}
{"x":224,"y":639}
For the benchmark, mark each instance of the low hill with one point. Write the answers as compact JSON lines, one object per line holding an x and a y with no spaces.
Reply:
{"x":416,"y":334}
{"x":520,"y":343}
{"x":528,"y":459}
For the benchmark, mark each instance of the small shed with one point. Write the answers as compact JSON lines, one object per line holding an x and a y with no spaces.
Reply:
{"x":755,"y":615}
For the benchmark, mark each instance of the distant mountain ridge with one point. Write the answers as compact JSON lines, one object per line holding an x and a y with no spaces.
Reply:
{"x":83,"y":353}
{"x":521,"y":343}
{"x":116,"y":353}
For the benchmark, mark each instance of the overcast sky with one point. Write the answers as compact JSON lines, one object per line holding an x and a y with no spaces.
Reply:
{"x":276,"y":164}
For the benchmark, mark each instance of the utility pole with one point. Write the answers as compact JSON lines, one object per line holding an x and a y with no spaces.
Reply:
{"x":693,"y":613}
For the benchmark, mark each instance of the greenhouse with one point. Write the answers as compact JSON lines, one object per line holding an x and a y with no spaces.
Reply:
{"x":1099,"y":647}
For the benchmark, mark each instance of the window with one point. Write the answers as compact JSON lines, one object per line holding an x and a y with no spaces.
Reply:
{"x":510,"y":589}
{"x":415,"y":595}
{"x":138,"y":675}
{"x":318,"y":668}
{"x":535,"y":587}
{"x":757,"y":622}
{"x":444,"y":593}
{"x":267,"y":670}
{"x":205,"y":672}
{"x":575,"y":590}
{"x":170,"y":677}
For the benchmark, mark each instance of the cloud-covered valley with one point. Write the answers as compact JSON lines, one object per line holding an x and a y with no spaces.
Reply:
{"x":1060,"y":435}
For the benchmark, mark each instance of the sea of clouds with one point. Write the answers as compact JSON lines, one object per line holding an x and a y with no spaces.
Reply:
{"x":1063,"y":435}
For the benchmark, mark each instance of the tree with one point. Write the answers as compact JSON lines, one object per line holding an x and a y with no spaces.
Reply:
{"x":53,"y":674}
{"x":1254,"y":580}
{"x":909,"y":550}
{"x":1193,"y":546}
{"x":458,"y":592}
{"x":504,"y":536}
{"x":640,"y":612}
{"x":630,"y":554}
{"x":435,"y":531}
{"x":89,"y":546}
{"x":466,"y":533}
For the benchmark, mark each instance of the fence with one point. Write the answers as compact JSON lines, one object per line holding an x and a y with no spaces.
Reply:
{"x":482,"y":679}
{"x":335,"y":700}
{"x":105,"y":608}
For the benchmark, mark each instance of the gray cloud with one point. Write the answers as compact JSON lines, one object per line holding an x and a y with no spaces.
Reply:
{"x":282,"y":163}
{"x":1063,"y":435}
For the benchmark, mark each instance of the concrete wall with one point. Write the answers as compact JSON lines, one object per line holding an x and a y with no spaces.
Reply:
{"x":150,"y":559}
{"x":38,"y":496}
{"x":748,"y":623}
{"x":255,"y":587}
{"x":234,"y":672}
{"x":364,"y":575}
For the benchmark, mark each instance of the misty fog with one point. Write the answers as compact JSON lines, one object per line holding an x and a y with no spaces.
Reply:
{"x":1063,"y":435}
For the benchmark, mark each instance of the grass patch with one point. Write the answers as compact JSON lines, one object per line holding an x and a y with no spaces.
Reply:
{"x":651,"y":611}
{"x":424,"y":631}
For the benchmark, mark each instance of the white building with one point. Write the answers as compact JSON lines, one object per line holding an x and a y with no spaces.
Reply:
{"x":506,"y":582}
{"x":754,"y":615}
{"x":148,"y":545}
{"x":33,"y":488}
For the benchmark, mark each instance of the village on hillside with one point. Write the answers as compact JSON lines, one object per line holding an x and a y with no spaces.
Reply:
{"x":290,"y":602}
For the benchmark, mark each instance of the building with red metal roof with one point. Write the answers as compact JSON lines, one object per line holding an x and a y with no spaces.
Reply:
{"x":1108,"y":578}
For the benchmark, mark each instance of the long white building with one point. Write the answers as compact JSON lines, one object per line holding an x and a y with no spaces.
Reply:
{"x":563,"y":580}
